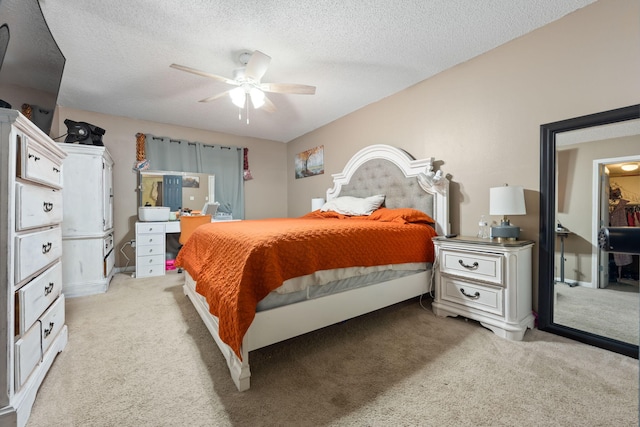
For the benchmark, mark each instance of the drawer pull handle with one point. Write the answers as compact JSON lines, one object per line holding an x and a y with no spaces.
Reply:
{"x":467,"y":266}
{"x":34,"y":157}
{"x":48,"y":289}
{"x":47,"y":332}
{"x":46,"y":247}
{"x":474,"y":296}
{"x":55,"y":169}
{"x":47,"y":206}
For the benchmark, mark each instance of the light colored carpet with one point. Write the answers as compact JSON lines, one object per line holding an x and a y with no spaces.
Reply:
{"x":139,"y":355}
{"x":612,"y":312}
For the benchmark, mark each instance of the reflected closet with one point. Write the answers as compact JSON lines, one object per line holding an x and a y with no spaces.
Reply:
{"x":624,"y":211}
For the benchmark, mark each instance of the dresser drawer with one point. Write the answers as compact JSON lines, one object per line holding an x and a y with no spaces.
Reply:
{"x":482,"y":297}
{"x":145,"y":269}
{"x":150,"y":227}
{"x":37,"y":206}
{"x":33,"y":298}
{"x":52,"y":322}
{"x":38,"y":164}
{"x":36,"y":250}
{"x":31,"y":347}
{"x":151,"y":240}
{"x":27,"y":354}
{"x":483,"y":266}
{"x":158,"y":259}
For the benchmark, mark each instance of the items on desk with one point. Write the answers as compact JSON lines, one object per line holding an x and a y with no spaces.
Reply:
{"x":153,"y":213}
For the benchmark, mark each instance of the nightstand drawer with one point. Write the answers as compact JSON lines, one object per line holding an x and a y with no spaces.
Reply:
{"x":486,"y":298}
{"x":483,"y":266}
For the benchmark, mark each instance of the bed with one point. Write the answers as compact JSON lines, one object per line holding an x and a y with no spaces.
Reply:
{"x":273,"y":301}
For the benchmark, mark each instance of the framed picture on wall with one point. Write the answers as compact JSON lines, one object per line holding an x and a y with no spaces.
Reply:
{"x":310,"y":162}
{"x":191,"y":181}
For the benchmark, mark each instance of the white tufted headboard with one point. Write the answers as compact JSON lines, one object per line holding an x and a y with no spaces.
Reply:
{"x":406,"y":182}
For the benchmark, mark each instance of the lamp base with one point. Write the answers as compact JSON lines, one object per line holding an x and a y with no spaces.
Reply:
{"x":505,"y":231}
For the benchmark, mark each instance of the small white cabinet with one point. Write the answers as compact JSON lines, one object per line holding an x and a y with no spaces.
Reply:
{"x":87,"y":226}
{"x":485,"y":280}
{"x":150,"y":249}
{"x":32,"y":327}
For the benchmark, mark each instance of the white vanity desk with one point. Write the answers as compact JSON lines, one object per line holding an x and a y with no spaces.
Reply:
{"x":151,"y":239}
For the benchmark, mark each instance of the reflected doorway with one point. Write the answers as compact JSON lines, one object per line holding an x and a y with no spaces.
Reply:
{"x":619,"y":200}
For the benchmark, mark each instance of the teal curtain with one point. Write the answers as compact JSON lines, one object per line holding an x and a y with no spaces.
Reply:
{"x":171,"y":154}
{"x":226,"y":163}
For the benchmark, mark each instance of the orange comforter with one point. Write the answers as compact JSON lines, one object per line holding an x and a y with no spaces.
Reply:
{"x":236,"y":264}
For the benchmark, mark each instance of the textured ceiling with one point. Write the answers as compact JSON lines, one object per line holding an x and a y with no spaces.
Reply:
{"x":354,"y":51}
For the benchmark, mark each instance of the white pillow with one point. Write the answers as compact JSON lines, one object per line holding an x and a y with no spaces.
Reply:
{"x":348,"y":205}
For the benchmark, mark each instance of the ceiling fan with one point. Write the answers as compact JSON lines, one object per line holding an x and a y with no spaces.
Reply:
{"x":247,"y":81}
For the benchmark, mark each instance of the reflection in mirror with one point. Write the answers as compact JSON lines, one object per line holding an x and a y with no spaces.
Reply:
{"x":32,"y":67}
{"x":176,"y":190}
{"x":585,"y":292}
{"x":597,"y":291}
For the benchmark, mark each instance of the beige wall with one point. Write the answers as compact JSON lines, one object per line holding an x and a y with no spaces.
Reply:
{"x":264,"y":194}
{"x":481,"y":120}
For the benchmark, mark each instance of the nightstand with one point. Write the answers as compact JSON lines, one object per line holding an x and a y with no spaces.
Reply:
{"x":485,"y":280}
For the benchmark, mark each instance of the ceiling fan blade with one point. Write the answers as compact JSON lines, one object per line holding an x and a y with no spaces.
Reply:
{"x":268,"y":106}
{"x":257,"y":66}
{"x":218,"y":96}
{"x":288,"y":88}
{"x":204,"y":74}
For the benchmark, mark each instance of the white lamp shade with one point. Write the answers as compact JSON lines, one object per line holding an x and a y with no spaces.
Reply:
{"x":316,"y":203}
{"x":238,"y":97}
{"x":257,"y":97}
{"x":506,"y":200}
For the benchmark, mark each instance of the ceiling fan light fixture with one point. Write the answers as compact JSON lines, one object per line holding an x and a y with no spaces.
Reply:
{"x":238,"y":97}
{"x":257,"y":97}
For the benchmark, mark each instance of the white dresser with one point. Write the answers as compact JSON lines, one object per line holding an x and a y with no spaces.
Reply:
{"x":33,"y":331}
{"x":87,"y":227}
{"x":485,"y":280}
{"x":150,"y":247}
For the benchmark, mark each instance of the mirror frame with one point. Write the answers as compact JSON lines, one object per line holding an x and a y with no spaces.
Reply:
{"x":546,"y":245}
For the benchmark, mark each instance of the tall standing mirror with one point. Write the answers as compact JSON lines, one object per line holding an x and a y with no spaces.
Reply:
{"x":589,"y":180}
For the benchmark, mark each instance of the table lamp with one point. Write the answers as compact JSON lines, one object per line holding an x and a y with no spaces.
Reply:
{"x":505,"y":201}
{"x":316,"y":203}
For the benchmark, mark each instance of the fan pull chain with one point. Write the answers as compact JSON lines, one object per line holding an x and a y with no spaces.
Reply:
{"x":247,"y":106}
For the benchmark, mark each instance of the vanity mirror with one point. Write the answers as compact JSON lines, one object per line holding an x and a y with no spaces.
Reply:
{"x":176,"y":190}
{"x":584,"y":292}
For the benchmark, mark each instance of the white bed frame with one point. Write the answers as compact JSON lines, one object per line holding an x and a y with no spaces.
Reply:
{"x":275,"y":325}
